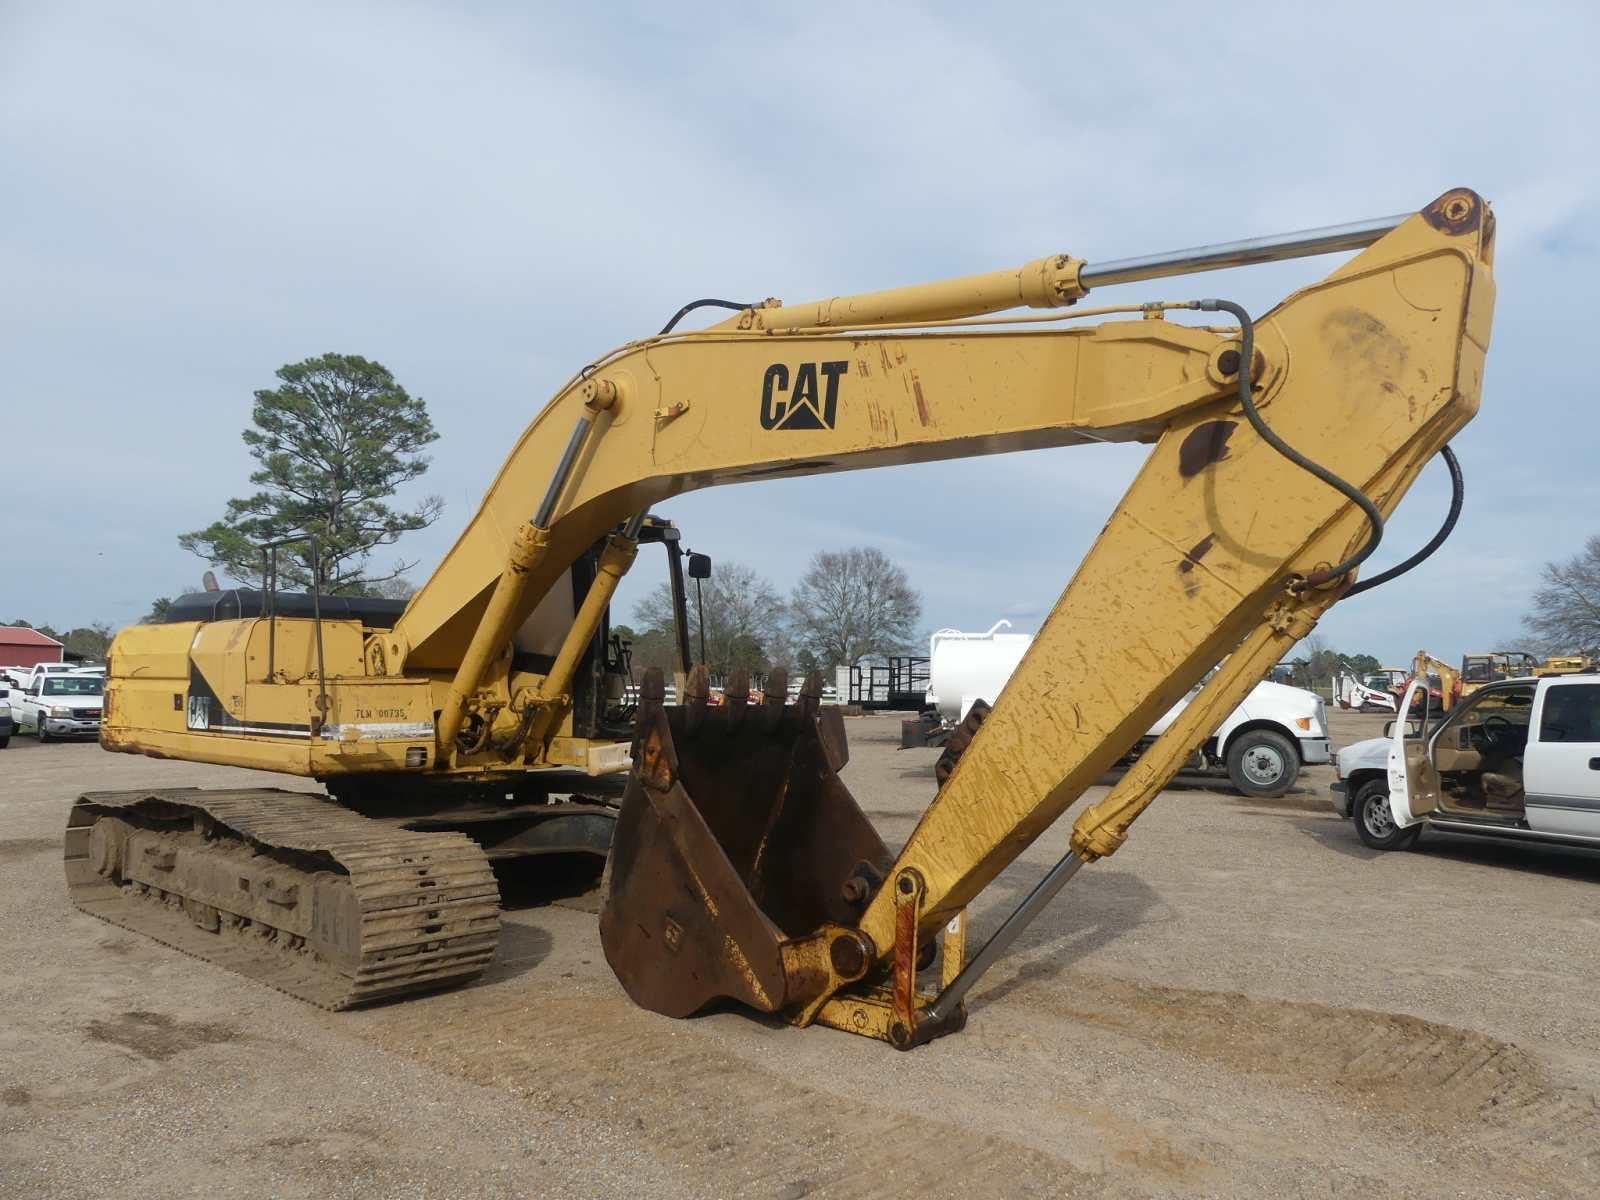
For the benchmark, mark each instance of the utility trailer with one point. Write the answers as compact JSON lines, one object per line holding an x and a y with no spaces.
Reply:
{"x":900,"y":684}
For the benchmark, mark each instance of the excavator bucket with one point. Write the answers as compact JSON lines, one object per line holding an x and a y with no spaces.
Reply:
{"x":739,"y":856}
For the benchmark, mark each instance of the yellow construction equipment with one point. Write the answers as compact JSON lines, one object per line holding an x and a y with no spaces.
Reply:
{"x":1563,"y":664}
{"x":1427,"y":668}
{"x":741,"y":866}
{"x":1481,"y":668}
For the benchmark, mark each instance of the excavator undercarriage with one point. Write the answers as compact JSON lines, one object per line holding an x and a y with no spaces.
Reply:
{"x":287,"y":888}
{"x":488,"y":722}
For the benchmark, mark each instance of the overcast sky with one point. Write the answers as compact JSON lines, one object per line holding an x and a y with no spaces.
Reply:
{"x":194,"y":194}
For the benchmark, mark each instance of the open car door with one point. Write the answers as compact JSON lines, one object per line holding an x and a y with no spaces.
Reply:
{"x":1413,"y":779}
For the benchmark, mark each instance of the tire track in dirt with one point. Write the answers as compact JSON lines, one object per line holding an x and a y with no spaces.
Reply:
{"x":1459,"y":1082}
{"x":734,"y":1128}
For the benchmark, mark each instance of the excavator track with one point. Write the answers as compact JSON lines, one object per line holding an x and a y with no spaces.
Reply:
{"x":287,"y":888}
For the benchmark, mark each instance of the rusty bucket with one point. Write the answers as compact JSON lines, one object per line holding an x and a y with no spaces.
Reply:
{"x":740,"y":860}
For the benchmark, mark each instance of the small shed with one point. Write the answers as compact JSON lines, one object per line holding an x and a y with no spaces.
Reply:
{"x":27,"y":647}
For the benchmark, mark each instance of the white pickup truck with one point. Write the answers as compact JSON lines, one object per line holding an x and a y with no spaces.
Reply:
{"x":26,"y":677}
{"x":1518,"y":759}
{"x":59,"y":704}
{"x":1260,"y":746}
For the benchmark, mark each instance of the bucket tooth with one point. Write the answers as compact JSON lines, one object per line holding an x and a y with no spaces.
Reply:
{"x":729,"y":866}
{"x":697,"y":693}
{"x":736,"y":698}
{"x":652,"y":690}
{"x":810,"y":693}
{"x":774,"y":695}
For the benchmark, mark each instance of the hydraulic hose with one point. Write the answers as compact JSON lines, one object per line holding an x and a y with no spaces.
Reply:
{"x":1247,"y":338}
{"x":694,"y":304}
{"x":1457,"y":494}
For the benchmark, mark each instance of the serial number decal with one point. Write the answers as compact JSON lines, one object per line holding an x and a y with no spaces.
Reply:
{"x":381,"y":714}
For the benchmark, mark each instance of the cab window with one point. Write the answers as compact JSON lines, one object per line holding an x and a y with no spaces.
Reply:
{"x":1494,"y":721}
{"x":1571,"y":713}
{"x":73,"y":685}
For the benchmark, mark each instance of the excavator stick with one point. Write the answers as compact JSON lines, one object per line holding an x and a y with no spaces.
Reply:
{"x":740,"y":859}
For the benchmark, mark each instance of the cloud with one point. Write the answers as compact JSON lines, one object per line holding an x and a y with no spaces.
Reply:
{"x":484,"y":200}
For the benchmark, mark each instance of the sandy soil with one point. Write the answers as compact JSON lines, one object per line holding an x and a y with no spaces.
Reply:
{"x":1243,"y":1002}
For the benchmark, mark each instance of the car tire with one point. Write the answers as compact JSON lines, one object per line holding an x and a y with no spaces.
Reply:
{"x":1263,"y":763}
{"x":1375,"y":820}
{"x":39,"y":730}
{"x":5,"y":741}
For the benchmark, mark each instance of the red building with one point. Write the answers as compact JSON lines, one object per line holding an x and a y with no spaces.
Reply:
{"x":27,"y":648}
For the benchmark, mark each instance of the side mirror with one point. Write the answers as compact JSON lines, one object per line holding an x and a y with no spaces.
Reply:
{"x":699,"y":566}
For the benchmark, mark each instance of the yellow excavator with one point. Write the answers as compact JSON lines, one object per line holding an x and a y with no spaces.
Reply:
{"x":1427,"y":668}
{"x":486,"y":720}
{"x":1479,"y":669}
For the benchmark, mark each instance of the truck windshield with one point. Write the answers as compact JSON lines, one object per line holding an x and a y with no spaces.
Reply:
{"x":73,"y":685}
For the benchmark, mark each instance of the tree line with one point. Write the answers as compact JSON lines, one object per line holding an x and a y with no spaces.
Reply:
{"x":1317,"y":665}
{"x":848,"y":606}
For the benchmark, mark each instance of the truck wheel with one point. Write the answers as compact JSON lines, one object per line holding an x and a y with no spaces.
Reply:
{"x":5,"y":741}
{"x":1375,"y":821}
{"x":39,"y":729}
{"x":1263,"y":763}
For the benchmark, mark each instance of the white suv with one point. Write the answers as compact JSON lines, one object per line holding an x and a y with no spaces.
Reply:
{"x":1517,"y":759}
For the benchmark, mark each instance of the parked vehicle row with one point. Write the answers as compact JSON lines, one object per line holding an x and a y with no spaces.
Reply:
{"x":52,"y":700}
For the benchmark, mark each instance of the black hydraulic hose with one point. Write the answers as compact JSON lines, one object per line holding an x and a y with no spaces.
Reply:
{"x":1247,"y":338}
{"x":1457,"y":493}
{"x":694,"y":304}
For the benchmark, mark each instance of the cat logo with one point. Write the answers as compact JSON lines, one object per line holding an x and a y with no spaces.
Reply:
{"x":805,"y":407}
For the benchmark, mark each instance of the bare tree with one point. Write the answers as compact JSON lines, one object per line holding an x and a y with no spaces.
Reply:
{"x":743,"y":620}
{"x":853,"y":604}
{"x":1566,"y":607}
{"x":400,"y":587}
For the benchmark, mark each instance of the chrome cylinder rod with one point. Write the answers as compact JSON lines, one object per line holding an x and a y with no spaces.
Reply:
{"x":1330,"y":238}
{"x":1044,"y":892}
{"x":558,"y":481}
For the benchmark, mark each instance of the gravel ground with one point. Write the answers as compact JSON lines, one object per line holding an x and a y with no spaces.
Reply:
{"x":1243,"y":1002}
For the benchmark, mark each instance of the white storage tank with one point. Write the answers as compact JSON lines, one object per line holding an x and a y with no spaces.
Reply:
{"x":964,"y":667}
